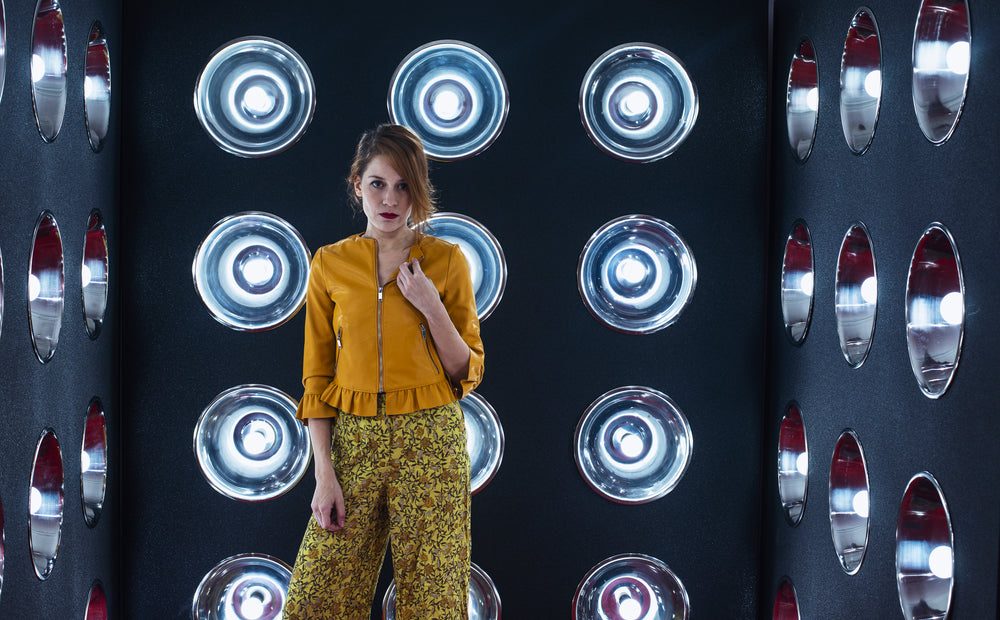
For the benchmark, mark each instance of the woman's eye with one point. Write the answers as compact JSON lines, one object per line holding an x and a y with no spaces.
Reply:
{"x":404,"y":187}
{"x":377,"y":184}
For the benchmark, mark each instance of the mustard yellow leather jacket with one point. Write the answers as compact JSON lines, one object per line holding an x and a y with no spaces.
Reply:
{"x":362,"y":339}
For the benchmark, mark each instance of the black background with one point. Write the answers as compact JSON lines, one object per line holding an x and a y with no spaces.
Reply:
{"x":543,"y":188}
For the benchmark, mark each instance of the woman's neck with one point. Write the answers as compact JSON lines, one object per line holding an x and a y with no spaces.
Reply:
{"x":400,"y":238}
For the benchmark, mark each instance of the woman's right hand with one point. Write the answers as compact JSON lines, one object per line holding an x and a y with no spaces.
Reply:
{"x":328,"y":504}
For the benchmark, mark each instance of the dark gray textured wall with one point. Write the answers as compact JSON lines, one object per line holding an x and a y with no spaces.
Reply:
{"x":67,"y":178}
{"x":901,"y":185}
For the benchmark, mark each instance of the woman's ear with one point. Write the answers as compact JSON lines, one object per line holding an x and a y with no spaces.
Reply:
{"x":357,"y":185}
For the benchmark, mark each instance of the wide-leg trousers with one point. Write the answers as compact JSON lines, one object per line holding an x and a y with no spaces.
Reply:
{"x":405,"y":480}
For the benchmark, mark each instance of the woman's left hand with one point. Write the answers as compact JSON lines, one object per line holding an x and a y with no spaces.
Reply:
{"x":417,"y":288}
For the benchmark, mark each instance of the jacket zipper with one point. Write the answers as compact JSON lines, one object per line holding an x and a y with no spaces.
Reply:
{"x":423,"y":334}
{"x":379,"y":319}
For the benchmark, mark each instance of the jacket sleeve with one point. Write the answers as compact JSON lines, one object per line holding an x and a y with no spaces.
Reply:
{"x":460,"y":301}
{"x":319,"y":351}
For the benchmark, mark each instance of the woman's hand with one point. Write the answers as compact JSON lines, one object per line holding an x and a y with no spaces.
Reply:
{"x":328,"y":504}
{"x":418,"y":289}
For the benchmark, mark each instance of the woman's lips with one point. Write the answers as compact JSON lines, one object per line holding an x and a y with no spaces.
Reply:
{"x":389,"y":216}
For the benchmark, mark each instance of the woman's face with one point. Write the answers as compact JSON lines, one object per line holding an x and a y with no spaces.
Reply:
{"x":384,"y":195}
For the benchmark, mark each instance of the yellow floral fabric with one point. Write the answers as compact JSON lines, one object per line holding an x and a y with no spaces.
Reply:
{"x":405,"y":480}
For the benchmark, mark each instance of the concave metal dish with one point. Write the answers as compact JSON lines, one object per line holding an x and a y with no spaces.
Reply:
{"x":484,"y":600}
{"x":802,"y":100}
{"x":793,"y":464}
{"x":1,"y":292}
{"x":46,"y":284}
{"x":452,"y":95}
{"x":942,"y":44}
{"x":484,"y":440}
{"x":861,"y":81}
{"x":797,"y":283}
{"x":97,"y":603}
{"x":935,"y":310}
{"x":638,"y":103}
{"x":249,"y":445}
{"x":849,"y":502}
{"x":633,"y":445}
{"x":3,"y":545}
{"x":631,"y":587}
{"x":97,"y":87}
{"x":925,"y":559}
{"x":482,"y":251}
{"x":786,"y":604}
{"x":250,"y":586}
{"x":94,"y":462}
{"x":3,"y":47}
{"x":45,"y":504}
{"x":255,"y":97}
{"x":94,"y":274}
{"x":252,"y":271}
{"x":856,"y":295}
{"x":636,"y":274}
{"x":48,"y":68}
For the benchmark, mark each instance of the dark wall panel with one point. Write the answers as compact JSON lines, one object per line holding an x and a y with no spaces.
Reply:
{"x":67,"y":178}
{"x":542,"y":189}
{"x":898,"y":188}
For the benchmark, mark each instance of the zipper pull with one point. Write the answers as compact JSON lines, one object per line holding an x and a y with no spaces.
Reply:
{"x":380,"y":294}
{"x":339,"y":344}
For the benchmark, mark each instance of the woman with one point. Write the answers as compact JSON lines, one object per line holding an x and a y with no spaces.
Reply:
{"x":391,"y":344}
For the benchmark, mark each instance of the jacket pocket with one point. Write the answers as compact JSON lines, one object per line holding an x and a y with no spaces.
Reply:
{"x":340,"y":347}
{"x":427,"y":345}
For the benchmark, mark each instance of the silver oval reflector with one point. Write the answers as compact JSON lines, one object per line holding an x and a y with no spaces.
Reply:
{"x":250,"y":586}
{"x":631,"y":587}
{"x":487,"y":264}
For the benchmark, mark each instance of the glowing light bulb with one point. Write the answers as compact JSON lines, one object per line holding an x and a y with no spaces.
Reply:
{"x":252,"y":607}
{"x":34,"y":287}
{"x":255,"y":442}
{"x":812,"y":99}
{"x":446,"y":104}
{"x":37,"y":68}
{"x":258,"y":270}
{"x":873,"y":84}
{"x":869,"y":290}
{"x":258,"y":101}
{"x":630,"y":271}
{"x":635,"y":103}
{"x":630,"y":609}
{"x":953,"y":308}
{"x":631,"y":444}
{"x":958,"y":57}
{"x":35,"y":501}
{"x":84,"y":462}
{"x":941,"y":562}
{"x":806,"y":284}
{"x":860,"y":504}
{"x":85,"y":275}
{"x":802,"y":463}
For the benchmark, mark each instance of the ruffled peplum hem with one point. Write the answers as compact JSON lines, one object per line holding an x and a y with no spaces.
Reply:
{"x":396,"y":402}
{"x":312,"y":406}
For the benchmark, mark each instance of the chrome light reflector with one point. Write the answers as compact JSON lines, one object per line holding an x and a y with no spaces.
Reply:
{"x":46,"y":286}
{"x":631,"y":587}
{"x":453,"y":95}
{"x":935,"y":310}
{"x":636,"y":274}
{"x":255,"y":97}
{"x":925,"y":558}
{"x":484,"y":600}
{"x":856,"y":295}
{"x":97,"y":603}
{"x":94,"y":274}
{"x":797,"y":283}
{"x":48,"y":68}
{"x":942,"y":53}
{"x":849,"y":502}
{"x":482,"y":251}
{"x":45,"y":504}
{"x":786,"y":604}
{"x":861,"y":81}
{"x":3,"y":47}
{"x":484,"y":440}
{"x":638,"y":103}
{"x":249,"y":445}
{"x":793,"y":464}
{"x":97,"y":87}
{"x":633,"y":445}
{"x":802,"y":100}
{"x":94,"y":462}
{"x":252,"y":271}
{"x":250,"y":586}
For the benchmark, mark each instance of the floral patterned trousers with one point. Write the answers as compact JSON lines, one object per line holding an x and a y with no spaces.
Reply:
{"x":406,"y":480}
